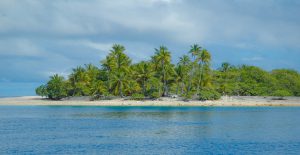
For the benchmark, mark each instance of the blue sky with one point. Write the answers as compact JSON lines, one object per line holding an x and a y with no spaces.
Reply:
{"x":41,"y":37}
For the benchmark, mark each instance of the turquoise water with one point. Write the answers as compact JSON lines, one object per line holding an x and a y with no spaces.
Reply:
{"x":149,"y":130}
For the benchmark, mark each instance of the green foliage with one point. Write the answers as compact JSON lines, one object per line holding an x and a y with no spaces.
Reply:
{"x":97,"y":89}
{"x":288,"y":80}
{"x":191,"y":77}
{"x":56,"y":87}
{"x":137,"y":96}
{"x":209,"y":95}
{"x":244,"y":81}
{"x":154,"y":95}
{"x":281,"y":93}
{"x":41,"y":90}
{"x":143,"y":71}
{"x":188,"y":95}
{"x":118,"y":65}
{"x":164,"y":69}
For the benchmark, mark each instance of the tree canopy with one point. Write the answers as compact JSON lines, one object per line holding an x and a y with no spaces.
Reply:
{"x":191,"y":77}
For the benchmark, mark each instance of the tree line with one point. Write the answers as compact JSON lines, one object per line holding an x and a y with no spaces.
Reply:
{"x":191,"y":78}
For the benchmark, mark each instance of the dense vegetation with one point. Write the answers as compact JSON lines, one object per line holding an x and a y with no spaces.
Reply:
{"x":191,"y":78}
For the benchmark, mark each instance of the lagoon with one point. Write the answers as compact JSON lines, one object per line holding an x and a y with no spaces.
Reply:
{"x":149,"y":130}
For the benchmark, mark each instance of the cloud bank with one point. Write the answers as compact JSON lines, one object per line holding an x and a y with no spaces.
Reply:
{"x":41,"y":37}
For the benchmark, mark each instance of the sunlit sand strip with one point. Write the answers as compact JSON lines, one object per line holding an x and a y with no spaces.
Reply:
{"x":225,"y":101}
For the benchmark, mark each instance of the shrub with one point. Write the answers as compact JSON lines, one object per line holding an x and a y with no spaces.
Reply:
{"x":188,"y":96}
{"x":137,"y":96}
{"x":281,"y":93}
{"x":41,"y":91}
{"x":209,"y":95}
{"x":154,"y":95}
{"x":56,"y":89}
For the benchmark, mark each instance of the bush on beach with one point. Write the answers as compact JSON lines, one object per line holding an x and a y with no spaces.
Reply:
{"x":209,"y":95}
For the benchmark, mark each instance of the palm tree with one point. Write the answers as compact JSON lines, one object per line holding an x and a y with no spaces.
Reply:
{"x":203,"y":59}
{"x":121,"y":59}
{"x":78,"y":80}
{"x":56,"y":87}
{"x":132,"y":87}
{"x":184,"y":60}
{"x":119,"y":83}
{"x":225,"y":67}
{"x":162,"y":60}
{"x":144,"y":72}
{"x":108,"y":66}
{"x":179,"y":78}
{"x":117,"y":64}
{"x":182,"y":72}
{"x":155,"y":85}
{"x":98,"y":88}
{"x":92,"y":71}
{"x":92,"y":74}
{"x":195,"y":50}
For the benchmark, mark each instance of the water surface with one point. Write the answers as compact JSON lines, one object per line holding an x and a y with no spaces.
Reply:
{"x":149,"y":130}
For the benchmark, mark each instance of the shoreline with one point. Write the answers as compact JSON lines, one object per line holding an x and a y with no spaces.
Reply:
{"x":225,"y":101}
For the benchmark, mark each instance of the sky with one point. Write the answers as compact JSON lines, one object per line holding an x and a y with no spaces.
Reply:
{"x":39,"y":38}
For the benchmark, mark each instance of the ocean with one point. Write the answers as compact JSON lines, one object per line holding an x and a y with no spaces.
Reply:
{"x":149,"y":130}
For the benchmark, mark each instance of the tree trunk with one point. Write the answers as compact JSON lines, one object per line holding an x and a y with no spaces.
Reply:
{"x":200,"y":79}
{"x":177,"y":88}
{"x":120,"y":89}
{"x":164,"y":80}
{"x":144,"y":89}
{"x":182,"y":86}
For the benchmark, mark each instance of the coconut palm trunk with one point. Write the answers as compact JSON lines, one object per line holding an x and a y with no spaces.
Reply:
{"x":200,"y":77}
{"x":120,"y":89}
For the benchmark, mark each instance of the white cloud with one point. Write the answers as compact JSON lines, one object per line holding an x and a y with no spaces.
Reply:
{"x":255,"y":58}
{"x":53,"y":36}
{"x":265,"y":23}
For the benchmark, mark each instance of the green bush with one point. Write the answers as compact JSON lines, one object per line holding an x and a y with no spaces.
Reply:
{"x":154,"y":95}
{"x":56,"y":89}
{"x":41,"y":90}
{"x":188,"y":96}
{"x":281,"y":93}
{"x":137,"y":96}
{"x":209,"y":95}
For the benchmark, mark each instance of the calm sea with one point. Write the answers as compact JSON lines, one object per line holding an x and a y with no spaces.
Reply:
{"x":149,"y":130}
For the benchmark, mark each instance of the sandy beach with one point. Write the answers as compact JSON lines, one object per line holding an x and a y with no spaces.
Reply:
{"x":224,"y":101}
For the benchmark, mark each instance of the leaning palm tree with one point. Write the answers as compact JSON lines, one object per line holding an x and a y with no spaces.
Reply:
{"x":162,"y":59}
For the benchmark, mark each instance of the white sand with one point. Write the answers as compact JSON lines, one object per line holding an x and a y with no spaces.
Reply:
{"x":225,"y":101}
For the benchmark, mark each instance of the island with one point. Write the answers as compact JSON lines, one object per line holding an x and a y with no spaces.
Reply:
{"x":191,"y":81}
